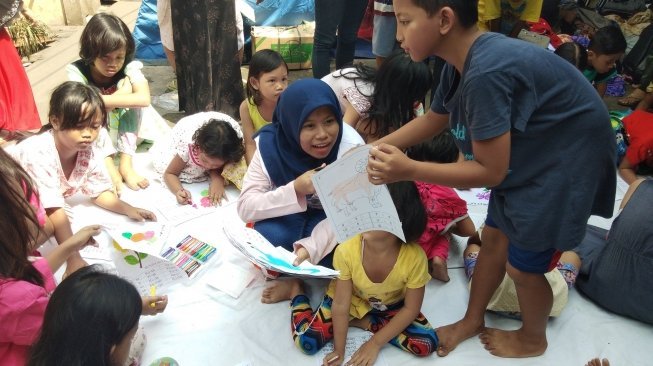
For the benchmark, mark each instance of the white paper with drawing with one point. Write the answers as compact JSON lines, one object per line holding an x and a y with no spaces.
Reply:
{"x":351,"y":202}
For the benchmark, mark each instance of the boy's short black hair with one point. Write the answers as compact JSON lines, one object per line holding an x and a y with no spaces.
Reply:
{"x":608,"y":40}
{"x":466,"y":10}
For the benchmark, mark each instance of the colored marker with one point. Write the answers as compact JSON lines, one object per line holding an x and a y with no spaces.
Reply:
{"x":153,"y":294}
{"x":332,"y":359}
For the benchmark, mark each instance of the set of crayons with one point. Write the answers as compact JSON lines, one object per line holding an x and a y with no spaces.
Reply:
{"x":189,"y":254}
{"x":196,"y":248}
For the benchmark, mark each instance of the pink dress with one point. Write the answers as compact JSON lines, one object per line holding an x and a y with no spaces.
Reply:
{"x":443,"y":209}
{"x":22,"y":305}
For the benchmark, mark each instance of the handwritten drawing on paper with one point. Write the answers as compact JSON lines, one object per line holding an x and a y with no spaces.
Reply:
{"x":144,"y":270}
{"x":351,"y":202}
{"x":144,"y":237}
{"x":475,"y":196}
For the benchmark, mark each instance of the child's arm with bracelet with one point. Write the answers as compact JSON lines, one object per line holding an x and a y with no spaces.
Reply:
{"x":216,"y":187}
{"x":369,"y":351}
{"x":109,"y":201}
{"x":171,"y":179}
{"x":247,"y":125}
{"x":340,"y":317}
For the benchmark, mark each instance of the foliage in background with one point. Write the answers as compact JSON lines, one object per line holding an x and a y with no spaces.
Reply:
{"x":29,"y":36}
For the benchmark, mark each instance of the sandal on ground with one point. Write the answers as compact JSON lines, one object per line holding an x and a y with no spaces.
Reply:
{"x":629,"y":101}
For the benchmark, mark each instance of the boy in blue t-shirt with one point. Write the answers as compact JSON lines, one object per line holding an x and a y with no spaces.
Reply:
{"x":605,"y":48}
{"x":532,"y":128}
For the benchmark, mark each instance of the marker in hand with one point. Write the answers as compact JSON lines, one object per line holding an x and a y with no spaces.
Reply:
{"x":153,"y":294}
{"x":332,"y":359}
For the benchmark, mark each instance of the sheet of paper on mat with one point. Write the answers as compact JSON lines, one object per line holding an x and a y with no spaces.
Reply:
{"x":144,"y":270}
{"x":354,"y":342}
{"x":259,"y":250}
{"x":231,"y":279}
{"x":352,"y":204}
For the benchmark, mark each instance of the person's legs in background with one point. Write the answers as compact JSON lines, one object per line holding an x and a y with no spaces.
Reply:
{"x":384,"y":34}
{"x":165,"y":29}
{"x":327,"y":15}
{"x":350,"y":21}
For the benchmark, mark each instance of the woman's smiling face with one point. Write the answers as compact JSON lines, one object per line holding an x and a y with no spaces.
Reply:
{"x":319,"y":133}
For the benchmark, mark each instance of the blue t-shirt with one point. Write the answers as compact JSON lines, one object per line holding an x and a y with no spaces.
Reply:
{"x":562,"y":146}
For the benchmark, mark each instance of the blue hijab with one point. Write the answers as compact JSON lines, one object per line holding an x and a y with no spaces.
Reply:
{"x":282,"y":155}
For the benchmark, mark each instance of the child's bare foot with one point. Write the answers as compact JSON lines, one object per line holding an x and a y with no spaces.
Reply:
{"x":134,"y":181}
{"x":512,"y":343}
{"x":282,"y":289}
{"x":597,"y":362}
{"x":438,"y":269}
{"x":451,"y":335}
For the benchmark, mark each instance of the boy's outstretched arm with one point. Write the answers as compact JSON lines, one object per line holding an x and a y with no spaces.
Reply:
{"x":419,"y":129}
{"x":388,"y":164}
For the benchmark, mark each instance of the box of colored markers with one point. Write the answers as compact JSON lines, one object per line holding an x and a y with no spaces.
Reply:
{"x":190,"y":255}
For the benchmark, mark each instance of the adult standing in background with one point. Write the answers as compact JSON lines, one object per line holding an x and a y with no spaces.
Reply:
{"x":206,"y":53}
{"x":17,"y":107}
{"x":336,"y":22}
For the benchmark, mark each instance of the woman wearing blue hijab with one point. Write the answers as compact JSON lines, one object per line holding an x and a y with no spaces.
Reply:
{"x":278,"y":195}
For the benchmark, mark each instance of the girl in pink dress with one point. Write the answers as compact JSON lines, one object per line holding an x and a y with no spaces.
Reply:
{"x":25,"y":286}
{"x":446,"y":211}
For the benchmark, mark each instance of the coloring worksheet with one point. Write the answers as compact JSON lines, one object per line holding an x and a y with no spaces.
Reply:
{"x":144,"y":237}
{"x":262,"y":253}
{"x":352,"y":204}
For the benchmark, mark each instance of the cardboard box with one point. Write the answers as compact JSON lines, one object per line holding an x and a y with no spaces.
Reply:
{"x":295,"y":44}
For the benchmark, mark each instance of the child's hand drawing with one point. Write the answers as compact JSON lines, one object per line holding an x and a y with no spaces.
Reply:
{"x":159,"y":302}
{"x":140,"y":214}
{"x":183,"y":197}
{"x":304,"y":185}
{"x":302,"y":255}
{"x":366,"y":354}
{"x":333,"y":359}
{"x":388,"y":164}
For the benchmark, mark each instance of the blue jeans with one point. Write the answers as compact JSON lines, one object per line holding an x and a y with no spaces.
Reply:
{"x":284,"y":231}
{"x":331,"y":16}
